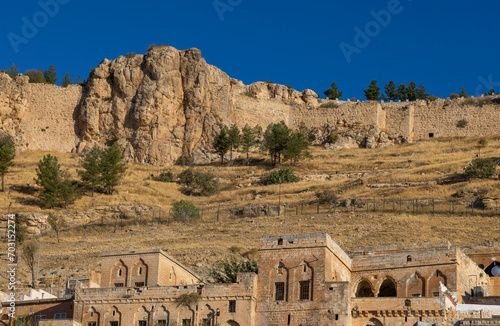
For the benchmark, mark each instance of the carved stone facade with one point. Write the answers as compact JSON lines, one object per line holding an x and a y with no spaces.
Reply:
{"x":302,"y":280}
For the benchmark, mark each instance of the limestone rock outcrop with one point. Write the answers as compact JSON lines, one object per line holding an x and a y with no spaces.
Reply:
{"x":167,"y":104}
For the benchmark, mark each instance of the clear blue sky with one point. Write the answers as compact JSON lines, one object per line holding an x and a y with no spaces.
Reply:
{"x":442,"y":44}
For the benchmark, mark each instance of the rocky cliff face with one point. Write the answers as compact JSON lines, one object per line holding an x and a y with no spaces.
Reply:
{"x":166,"y":104}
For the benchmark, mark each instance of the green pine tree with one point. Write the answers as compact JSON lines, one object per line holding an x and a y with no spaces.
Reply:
{"x":296,"y":146}
{"x":13,"y":71}
{"x":234,"y":139}
{"x":463,"y":93}
{"x":421,"y":93}
{"x":248,"y":139}
{"x":66,"y":80}
{"x":92,"y":173}
{"x":402,"y":95}
{"x":391,"y":93}
{"x":221,"y":143}
{"x":7,"y":156}
{"x":58,"y":189}
{"x":275,"y":139}
{"x":372,"y":93}
{"x":50,"y":75}
{"x":112,"y":167}
{"x":411,"y":91}
{"x":332,"y":93}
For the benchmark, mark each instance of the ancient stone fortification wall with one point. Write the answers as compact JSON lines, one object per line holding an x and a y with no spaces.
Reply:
{"x":49,"y":122}
{"x":169,"y":104}
{"x":347,"y":113}
{"x":441,"y":118}
{"x":260,"y":112}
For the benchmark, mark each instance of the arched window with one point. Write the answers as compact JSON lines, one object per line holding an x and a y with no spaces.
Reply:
{"x":387,"y":288}
{"x":119,"y":273}
{"x":364,"y":290}
{"x":408,"y":258}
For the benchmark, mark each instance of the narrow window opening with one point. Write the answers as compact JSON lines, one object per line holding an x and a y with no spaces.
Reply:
{"x":140,"y":271}
{"x":280,"y":291}
{"x":232,"y":305}
{"x":431,"y":135}
{"x":280,"y":242}
{"x":304,"y":290}
{"x":289,"y":319}
{"x":119,"y":272}
{"x":408,"y":258}
{"x":336,"y":316}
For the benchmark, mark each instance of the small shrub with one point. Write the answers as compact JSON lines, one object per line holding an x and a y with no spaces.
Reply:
{"x":326,"y":196}
{"x":432,"y":98}
{"x":235,"y":249}
{"x":288,"y":86}
{"x":226,"y":271}
{"x":469,"y":102}
{"x":251,"y":254}
{"x":284,"y":175}
{"x":481,"y":168}
{"x":329,"y":105}
{"x":462,"y":123}
{"x":454,"y":96}
{"x":184,"y":209}
{"x":166,"y":176}
{"x":269,"y":81}
{"x":249,"y":95}
{"x":130,"y":55}
{"x":199,"y":183}
{"x":188,"y":298}
{"x":483,"y":142}
{"x":332,"y":138}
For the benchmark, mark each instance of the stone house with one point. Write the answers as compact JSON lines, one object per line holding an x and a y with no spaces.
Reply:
{"x":302,"y":280}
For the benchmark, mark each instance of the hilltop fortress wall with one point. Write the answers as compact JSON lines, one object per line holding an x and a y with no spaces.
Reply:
{"x":169,"y":104}
{"x":39,"y":116}
{"x":50,"y":123}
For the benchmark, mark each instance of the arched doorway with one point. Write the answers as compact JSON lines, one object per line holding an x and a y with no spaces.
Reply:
{"x":364,"y":290}
{"x":232,"y":323}
{"x":387,"y":288}
{"x":374,"y":322}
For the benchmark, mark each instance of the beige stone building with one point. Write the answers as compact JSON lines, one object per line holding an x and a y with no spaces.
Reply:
{"x":302,"y":280}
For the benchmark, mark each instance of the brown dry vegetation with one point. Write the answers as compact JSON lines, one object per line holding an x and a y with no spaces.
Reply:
{"x":199,"y":244}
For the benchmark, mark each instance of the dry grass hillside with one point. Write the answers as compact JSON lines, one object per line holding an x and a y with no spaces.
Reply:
{"x":395,"y":220}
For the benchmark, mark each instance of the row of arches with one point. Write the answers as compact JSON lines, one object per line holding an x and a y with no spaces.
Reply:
{"x":415,"y":285}
{"x":123,"y":276}
{"x":156,"y":315}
